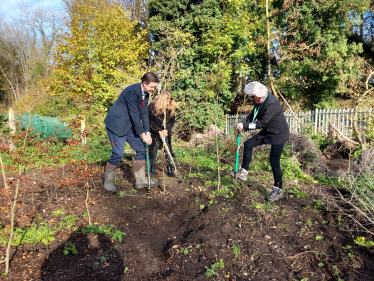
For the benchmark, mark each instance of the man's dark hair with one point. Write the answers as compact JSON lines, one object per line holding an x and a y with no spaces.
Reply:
{"x":150,"y":77}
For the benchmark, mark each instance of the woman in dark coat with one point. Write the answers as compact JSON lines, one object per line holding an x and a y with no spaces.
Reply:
{"x":161,"y":122}
{"x":267,"y":115}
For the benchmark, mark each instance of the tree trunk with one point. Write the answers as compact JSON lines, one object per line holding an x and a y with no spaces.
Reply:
{"x":268,"y":50}
{"x":357,"y":131}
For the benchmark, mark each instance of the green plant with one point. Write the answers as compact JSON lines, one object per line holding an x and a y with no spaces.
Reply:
{"x":336,"y":271}
{"x":318,"y":237}
{"x":70,"y":248}
{"x":185,"y":251}
{"x":103,"y":259}
{"x":102,"y":229}
{"x":211,"y":271}
{"x":355,"y":265}
{"x":319,"y":205}
{"x":117,"y":234}
{"x":236,"y":250}
{"x":58,"y":212}
{"x":39,"y":232}
{"x":321,"y":142}
{"x":212,"y":202}
{"x":328,"y":180}
{"x":290,"y":166}
{"x":361,"y":241}
{"x":298,"y":193}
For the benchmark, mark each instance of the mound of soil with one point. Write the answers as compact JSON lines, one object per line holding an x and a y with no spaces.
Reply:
{"x":179,"y":232}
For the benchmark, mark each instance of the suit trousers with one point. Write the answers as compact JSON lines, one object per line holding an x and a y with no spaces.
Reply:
{"x":118,"y":143}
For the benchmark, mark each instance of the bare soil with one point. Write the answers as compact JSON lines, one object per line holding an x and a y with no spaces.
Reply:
{"x":279,"y":244}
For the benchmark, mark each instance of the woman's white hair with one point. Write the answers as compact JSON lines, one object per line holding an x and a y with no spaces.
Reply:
{"x":256,"y":89}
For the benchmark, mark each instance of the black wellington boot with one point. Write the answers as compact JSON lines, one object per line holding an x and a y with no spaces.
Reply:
{"x":152,"y":161}
{"x":170,"y":171}
{"x":152,"y":170}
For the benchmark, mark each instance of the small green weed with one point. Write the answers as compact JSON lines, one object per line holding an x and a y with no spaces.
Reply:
{"x":319,"y":237}
{"x":319,"y":206}
{"x":236,"y":250}
{"x":185,"y":251}
{"x":103,"y":259}
{"x":102,"y":229}
{"x":298,"y":193}
{"x":211,"y":271}
{"x":350,"y":255}
{"x":58,"y":213}
{"x":70,"y":248}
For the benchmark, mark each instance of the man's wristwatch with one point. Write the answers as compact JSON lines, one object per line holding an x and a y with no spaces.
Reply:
{"x":148,"y":133}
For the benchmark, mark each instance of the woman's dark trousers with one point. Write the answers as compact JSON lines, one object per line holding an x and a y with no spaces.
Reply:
{"x":275,"y":155}
{"x":153,"y":150}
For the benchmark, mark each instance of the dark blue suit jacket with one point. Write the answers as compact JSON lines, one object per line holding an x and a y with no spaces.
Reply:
{"x":125,"y":112}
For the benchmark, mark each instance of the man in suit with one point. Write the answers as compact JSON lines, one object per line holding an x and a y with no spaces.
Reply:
{"x":127,"y":120}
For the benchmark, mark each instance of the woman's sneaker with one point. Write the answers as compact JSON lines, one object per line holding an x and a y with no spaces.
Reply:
{"x":276,"y":194}
{"x":242,"y":174}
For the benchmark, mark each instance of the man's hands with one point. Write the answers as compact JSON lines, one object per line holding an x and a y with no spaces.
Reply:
{"x":240,"y":127}
{"x":146,"y":138}
{"x":165,"y":132}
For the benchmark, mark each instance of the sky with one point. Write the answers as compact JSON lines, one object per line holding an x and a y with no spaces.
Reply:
{"x":8,"y":8}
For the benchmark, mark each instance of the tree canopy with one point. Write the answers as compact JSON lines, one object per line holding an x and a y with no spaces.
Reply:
{"x":99,"y":51}
{"x":204,"y":52}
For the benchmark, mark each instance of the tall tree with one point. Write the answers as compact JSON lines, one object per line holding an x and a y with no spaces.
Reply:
{"x":314,"y":49}
{"x":220,"y":35}
{"x":100,"y":50}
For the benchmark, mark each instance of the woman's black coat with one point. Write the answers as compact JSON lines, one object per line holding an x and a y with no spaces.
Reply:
{"x":270,"y":118}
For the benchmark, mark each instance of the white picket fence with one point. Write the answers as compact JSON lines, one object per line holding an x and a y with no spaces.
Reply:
{"x":318,"y":120}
